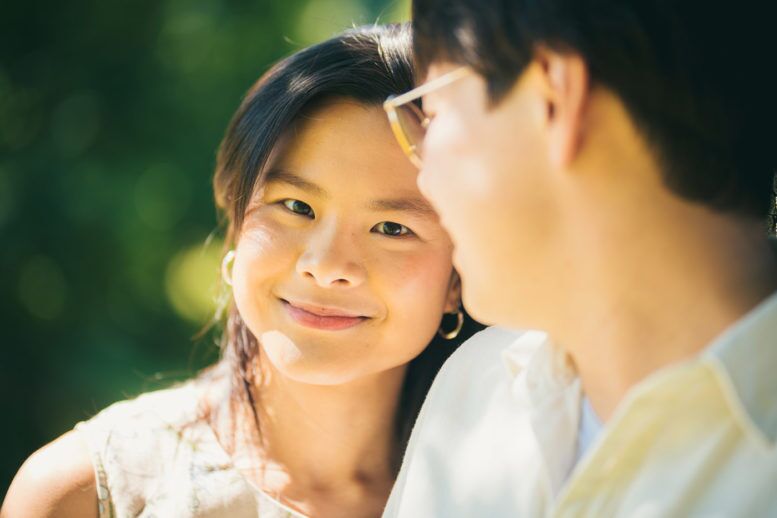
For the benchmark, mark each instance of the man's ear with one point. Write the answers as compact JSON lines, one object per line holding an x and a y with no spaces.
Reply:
{"x":453,"y":301}
{"x":566,"y":84}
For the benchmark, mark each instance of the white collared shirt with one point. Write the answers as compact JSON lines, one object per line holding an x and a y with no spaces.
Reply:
{"x":693,"y":439}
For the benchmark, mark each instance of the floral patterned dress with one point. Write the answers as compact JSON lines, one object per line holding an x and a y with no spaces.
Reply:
{"x":154,"y":457}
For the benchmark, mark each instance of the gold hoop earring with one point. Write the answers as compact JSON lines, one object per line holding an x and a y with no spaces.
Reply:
{"x":226,"y":273}
{"x":450,"y":335}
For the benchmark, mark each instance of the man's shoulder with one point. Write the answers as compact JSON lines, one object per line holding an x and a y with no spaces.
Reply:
{"x":485,"y":357}
{"x":476,"y":378}
{"x":488,"y":343}
{"x":472,"y":437}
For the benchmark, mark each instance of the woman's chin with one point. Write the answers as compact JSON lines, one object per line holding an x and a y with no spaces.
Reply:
{"x":314,"y":365}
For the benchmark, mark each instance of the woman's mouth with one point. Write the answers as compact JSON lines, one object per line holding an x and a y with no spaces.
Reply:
{"x":321,"y":317}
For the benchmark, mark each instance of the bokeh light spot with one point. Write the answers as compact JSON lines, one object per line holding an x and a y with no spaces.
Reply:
{"x":42,"y":288}
{"x":321,"y":19}
{"x":192,"y":281}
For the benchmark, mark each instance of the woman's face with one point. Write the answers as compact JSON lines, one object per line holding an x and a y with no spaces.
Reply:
{"x":342,"y":269}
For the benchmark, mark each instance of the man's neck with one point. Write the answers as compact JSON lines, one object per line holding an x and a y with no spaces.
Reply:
{"x":662,"y":298}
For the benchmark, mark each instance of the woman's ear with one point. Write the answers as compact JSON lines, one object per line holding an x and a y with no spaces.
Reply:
{"x":453,"y":302}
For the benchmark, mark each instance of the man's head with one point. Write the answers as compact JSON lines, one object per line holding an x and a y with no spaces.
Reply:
{"x":581,"y":113}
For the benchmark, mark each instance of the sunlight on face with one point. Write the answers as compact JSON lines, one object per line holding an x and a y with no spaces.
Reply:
{"x":342,"y":269}
{"x":485,"y":172}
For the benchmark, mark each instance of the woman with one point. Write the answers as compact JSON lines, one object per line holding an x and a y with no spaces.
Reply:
{"x":341,"y":275}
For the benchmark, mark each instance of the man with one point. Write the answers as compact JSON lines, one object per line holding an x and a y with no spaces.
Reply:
{"x":605,"y":170}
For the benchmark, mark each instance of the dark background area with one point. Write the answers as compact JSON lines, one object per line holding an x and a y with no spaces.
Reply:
{"x":110,"y":116}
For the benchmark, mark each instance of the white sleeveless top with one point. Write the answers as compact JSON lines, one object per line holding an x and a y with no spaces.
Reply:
{"x":154,"y":456}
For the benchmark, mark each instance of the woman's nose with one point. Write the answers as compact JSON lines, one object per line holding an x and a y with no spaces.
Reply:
{"x":331,"y":257}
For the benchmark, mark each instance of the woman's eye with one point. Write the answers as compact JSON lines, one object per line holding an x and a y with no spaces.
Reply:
{"x":298,"y":207}
{"x":391,"y":229}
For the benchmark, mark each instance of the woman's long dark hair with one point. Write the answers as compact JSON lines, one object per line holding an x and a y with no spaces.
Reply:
{"x":362,"y":64}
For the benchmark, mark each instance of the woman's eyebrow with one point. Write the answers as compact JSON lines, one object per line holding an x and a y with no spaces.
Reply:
{"x":416,"y":206}
{"x":281,"y":176}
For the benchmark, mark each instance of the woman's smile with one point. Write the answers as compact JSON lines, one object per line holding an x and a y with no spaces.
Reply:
{"x":322,"y":317}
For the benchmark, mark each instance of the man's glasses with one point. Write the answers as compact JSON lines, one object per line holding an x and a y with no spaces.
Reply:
{"x":407,"y":119}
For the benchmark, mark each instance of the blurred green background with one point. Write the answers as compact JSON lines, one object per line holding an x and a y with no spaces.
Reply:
{"x":110,"y":115}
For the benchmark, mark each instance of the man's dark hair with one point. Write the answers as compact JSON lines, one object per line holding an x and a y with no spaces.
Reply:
{"x":698,"y":78}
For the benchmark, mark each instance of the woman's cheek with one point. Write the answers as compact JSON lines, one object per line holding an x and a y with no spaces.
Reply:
{"x":415,"y":297}
{"x":264,"y":255}
{"x":418,"y":283}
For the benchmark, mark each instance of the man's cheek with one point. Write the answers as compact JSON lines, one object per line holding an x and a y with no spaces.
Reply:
{"x":432,"y":176}
{"x":423,"y":182}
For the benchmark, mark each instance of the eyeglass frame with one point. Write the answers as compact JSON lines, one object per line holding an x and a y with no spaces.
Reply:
{"x":394,"y":102}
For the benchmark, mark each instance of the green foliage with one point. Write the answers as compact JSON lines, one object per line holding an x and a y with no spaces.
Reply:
{"x":110,"y":115}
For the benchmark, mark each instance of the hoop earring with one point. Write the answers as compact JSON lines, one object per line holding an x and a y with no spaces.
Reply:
{"x":450,"y":335}
{"x":226,"y":273}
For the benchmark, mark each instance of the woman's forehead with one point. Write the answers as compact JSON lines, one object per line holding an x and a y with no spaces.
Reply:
{"x":345,"y":146}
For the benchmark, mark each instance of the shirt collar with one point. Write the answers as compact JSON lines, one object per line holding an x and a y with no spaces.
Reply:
{"x":545,"y":382}
{"x":744,"y":359}
{"x":533,"y":351}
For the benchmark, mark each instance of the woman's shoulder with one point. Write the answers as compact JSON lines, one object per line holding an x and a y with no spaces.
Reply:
{"x":57,"y":480}
{"x":120,"y":446}
{"x":136,"y":444}
{"x":155,"y":453}
{"x":144,"y":429}
{"x":170,"y":407}
{"x":63,"y":477}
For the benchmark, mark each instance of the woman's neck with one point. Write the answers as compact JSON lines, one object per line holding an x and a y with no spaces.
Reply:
{"x":322,"y":446}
